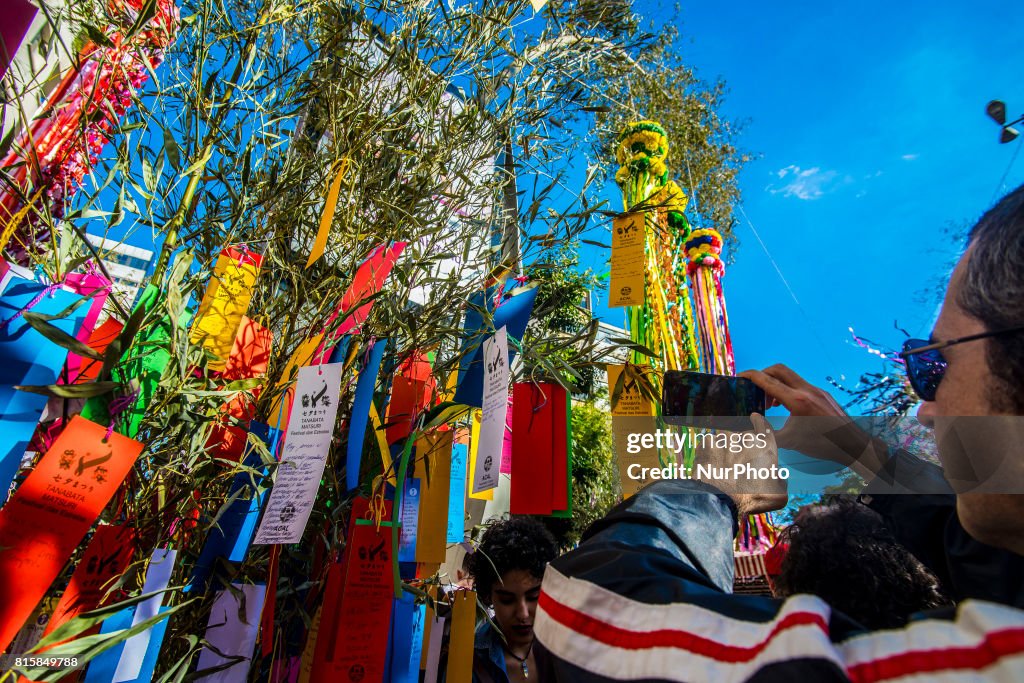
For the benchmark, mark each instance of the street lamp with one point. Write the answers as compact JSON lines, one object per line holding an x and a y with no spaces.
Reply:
{"x":996,"y":110}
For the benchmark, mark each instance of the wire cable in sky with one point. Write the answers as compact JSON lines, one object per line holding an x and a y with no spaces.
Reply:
{"x":999,"y":187}
{"x":770,"y":259}
{"x":800,"y":307}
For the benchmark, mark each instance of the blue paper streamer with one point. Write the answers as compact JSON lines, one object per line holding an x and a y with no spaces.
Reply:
{"x":513,"y":314}
{"x":252,"y":517}
{"x":103,"y":666}
{"x":361,"y":412}
{"x":29,"y":358}
{"x":340,"y":351}
{"x":457,"y":495}
{"x":406,"y":640}
{"x":230,"y":537}
{"x":410,"y":519}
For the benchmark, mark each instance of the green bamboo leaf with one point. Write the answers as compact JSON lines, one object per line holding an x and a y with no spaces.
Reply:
{"x":146,"y":12}
{"x":97,"y":36}
{"x":85,"y":621}
{"x":443,"y":413}
{"x":629,"y":343}
{"x":175,"y":302}
{"x":171,"y":150}
{"x":5,"y":144}
{"x":47,"y":317}
{"x":199,"y":163}
{"x":70,"y":390}
{"x":178,"y":672}
{"x":88,"y":648}
{"x":231,"y":388}
{"x":620,"y":384}
{"x":148,"y":175}
{"x":60,"y":337}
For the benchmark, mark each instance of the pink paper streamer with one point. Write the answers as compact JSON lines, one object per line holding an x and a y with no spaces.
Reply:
{"x":506,"y":443}
{"x":86,"y":284}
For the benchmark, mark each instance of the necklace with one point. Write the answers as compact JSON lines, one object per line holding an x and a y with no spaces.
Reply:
{"x":522,"y":660}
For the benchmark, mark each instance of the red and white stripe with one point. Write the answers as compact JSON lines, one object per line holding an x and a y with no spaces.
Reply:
{"x":749,"y":566}
{"x":613,"y":636}
{"x":985,"y":642}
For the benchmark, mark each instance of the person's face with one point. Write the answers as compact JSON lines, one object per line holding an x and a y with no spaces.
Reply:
{"x":967,"y":384}
{"x":968,"y":389}
{"x":515,"y":603}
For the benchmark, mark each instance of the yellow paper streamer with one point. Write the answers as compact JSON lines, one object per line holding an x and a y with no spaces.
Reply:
{"x":226,"y":300}
{"x":278,"y":415}
{"x":460,"y":650}
{"x":474,"y":441}
{"x":382,"y":443}
{"x":433,"y":451}
{"x":309,"y":650}
{"x":633,"y":413}
{"x":17,"y":218}
{"x":330,"y":204}
{"x":626,"y":286}
{"x":631,"y":402}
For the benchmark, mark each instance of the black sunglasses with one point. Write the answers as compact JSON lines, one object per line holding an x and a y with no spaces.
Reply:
{"x":926,"y":366}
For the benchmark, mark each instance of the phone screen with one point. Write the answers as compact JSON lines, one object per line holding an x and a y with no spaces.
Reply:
{"x":697,"y":394}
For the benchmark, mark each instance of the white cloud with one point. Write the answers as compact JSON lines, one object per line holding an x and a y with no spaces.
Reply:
{"x":909,"y":157}
{"x":806,"y":184}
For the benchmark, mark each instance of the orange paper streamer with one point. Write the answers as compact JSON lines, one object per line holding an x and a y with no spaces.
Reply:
{"x":249,"y":358}
{"x":51,"y":512}
{"x":99,"y":340}
{"x":412,"y":389}
{"x":330,"y":204}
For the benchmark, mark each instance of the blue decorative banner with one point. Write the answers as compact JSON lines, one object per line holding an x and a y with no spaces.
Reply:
{"x":361,"y":411}
{"x":29,"y":358}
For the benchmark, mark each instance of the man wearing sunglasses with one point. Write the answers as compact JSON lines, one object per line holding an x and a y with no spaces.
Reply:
{"x":970,"y":379}
{"x":646,"y":594}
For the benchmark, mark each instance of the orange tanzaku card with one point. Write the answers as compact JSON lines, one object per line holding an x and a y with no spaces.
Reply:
{"x":51,"y":512}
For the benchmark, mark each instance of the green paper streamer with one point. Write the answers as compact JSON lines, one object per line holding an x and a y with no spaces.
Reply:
{"x":140,"y":368}
{"x":396,"y":508}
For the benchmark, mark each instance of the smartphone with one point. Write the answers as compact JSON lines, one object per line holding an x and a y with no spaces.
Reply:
{"x":697,"y":394}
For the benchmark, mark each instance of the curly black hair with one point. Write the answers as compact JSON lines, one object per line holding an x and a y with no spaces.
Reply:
{"x":509,"y":544}
{"x":844,"y":553}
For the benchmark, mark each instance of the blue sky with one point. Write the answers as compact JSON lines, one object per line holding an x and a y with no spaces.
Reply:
{"x":869,"y":128}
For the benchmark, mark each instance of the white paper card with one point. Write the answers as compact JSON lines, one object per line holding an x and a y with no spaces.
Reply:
{"x":233,"y":637}
{"x":303,"y":456}
{"x":434,"y":649}
{"x":495,"y":405}
{"x":158,"y":575}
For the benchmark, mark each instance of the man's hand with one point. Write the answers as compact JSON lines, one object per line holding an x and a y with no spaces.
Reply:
{"x":818,"y":426}
{"x":750,"y":495}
